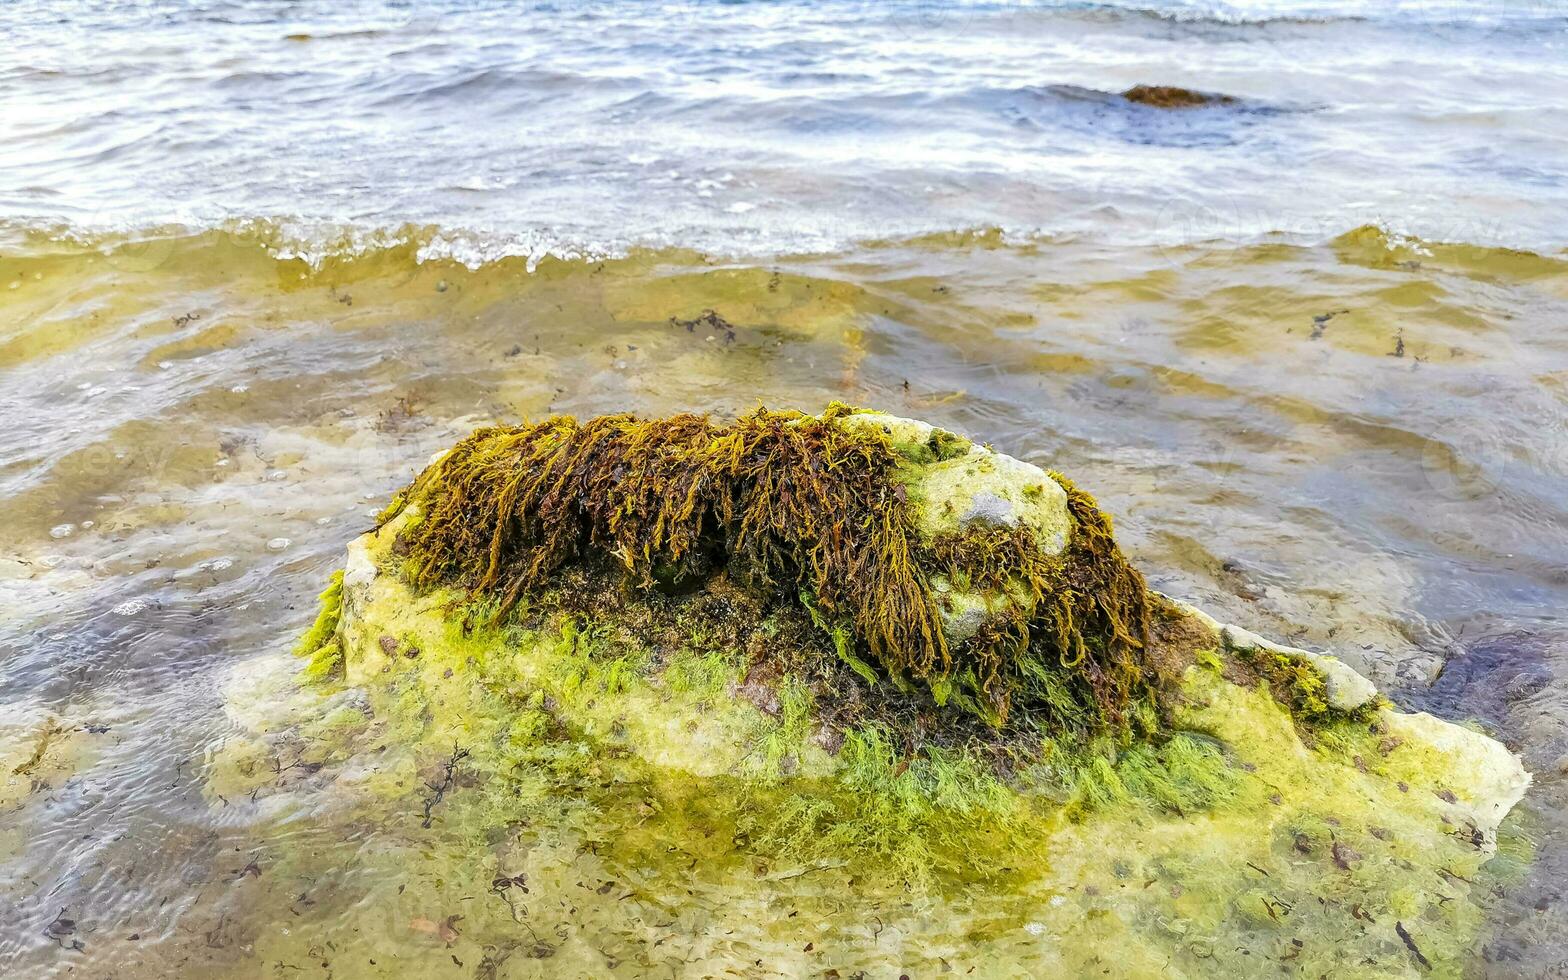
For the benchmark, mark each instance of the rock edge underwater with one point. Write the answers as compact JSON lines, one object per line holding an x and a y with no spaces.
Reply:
{"x":857,"y":665}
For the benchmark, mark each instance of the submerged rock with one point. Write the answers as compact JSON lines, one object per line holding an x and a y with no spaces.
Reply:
{"x":1173,"y":97}
{"x":626,"y":641}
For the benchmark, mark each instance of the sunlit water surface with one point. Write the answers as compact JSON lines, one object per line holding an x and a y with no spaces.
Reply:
{"x":258,"y":263}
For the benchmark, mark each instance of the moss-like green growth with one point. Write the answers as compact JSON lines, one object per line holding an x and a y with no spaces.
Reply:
{"x":321,"y":643}
{"x":1186,"y":774}
{"x":802,"y":510}
{"x":913,"y":816}
{"x":1299,"y":687}
{"x":1295,"y":683}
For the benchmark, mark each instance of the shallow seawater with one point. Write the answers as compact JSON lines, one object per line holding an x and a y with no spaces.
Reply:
{"x":194,"y":441}
{"x":257,"y":265}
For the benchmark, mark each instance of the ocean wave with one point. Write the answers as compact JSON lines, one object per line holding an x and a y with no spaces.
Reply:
{"x":1224,"y":15}
{"x":315,"y":244}
{"x":319,"y":246}
{"x":1260,"y":13}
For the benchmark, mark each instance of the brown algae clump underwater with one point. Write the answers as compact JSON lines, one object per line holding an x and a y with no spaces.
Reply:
{"x":900,"y":664}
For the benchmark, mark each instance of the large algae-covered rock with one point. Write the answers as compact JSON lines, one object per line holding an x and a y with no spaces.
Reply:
{"x":664,"y":643}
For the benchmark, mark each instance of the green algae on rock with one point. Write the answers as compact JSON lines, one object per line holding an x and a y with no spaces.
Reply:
{"x":606,"y":668}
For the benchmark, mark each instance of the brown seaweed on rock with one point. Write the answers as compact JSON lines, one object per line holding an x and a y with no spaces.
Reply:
{"x":1173,"y":97}
{"x":807,"y":511}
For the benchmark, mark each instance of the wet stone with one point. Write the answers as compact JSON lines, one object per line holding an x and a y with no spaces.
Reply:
{"x":772,"y":748}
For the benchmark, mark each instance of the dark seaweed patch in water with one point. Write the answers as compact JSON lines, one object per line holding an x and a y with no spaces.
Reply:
{"x":1173,"y":97}
{"x":712,"y":325}
{"x":1488,"y":679}
{"x":1145,"y":115}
